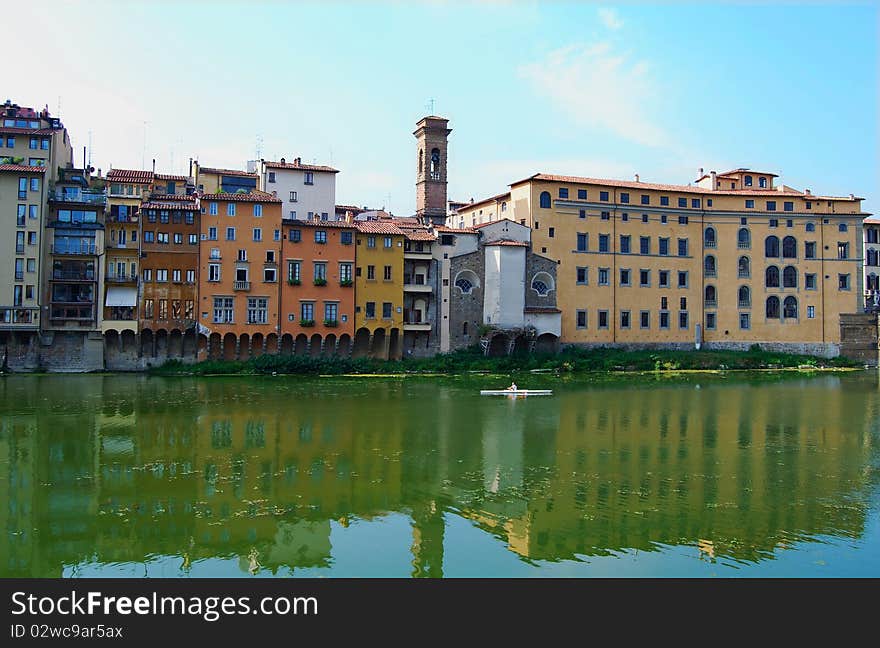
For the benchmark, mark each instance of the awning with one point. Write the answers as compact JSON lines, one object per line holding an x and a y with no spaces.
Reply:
{"x":121,"y":296}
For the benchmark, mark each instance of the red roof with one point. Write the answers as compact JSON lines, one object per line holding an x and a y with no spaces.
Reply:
{"x":319,"y":223}
{"x":22,"y":168}
{"x":540,"y":309}
{"x":452,"y":230}
{"x":10,"y":130}
{"x":351,"y":208}
{"x":418,"y":235}
{"x":378,"y":227}
{"x":158,"y":196}
{"x":253,"y":196}
{"x":631,"y":184}
{"x":299,"y":166}
{"x":173,"y":178}
{"x":507,"y":243}
{"x":129,"y":175}
{"x":484,"y":201}
{"x":172,"y":206}
{"x":482,"y":225}
{"x":232,"y":172}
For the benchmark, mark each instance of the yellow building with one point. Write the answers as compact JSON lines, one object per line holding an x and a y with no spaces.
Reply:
{"x":379,"y":280}
{"x":732,"y":260}
{"x":473,"y":213}
{"x":211,"y":180}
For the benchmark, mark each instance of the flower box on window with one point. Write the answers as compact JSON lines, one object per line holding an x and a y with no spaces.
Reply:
{"x":331,"y":322}
{"x":346,"y":282}
{"x":293,"y":282}
{"x":320,"y":282}
{"x":307,"y":323}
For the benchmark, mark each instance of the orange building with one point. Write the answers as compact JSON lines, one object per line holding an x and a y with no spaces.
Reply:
{"x":317,"y":294}
{"x":238,"y":274}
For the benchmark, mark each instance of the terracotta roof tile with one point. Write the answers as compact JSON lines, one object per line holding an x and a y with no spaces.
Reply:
{"x":291,"y":222}
{"x":299,"y":166}
{"x":22,"y":168}
{"x":129,"y":175}
{"x":10,"y":130}
{"x":232,"y":172}
{"x":482,"y":225}
{"x":630,"y":184}
{"x":171,"y":206}
{"x":419,"y":235}
{"x":453,"y":230}
{"x":253,"y":196}
{"x":378,"y":227}
{"x":485,"y":200}
{"x":351,"y":208}
{"x":158,"y":196}
{"x":173,"y":178}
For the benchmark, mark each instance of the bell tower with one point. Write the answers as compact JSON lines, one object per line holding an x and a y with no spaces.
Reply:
{"x":431,"y":134}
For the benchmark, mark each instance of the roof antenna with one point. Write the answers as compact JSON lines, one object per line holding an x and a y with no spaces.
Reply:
{"x":430,"y":106}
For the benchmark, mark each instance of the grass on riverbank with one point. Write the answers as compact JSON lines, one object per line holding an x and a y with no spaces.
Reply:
{"x":472,"y":359}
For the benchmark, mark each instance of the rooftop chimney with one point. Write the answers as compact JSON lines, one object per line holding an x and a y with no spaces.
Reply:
{"x":637,"y":177}
{"x":298,"y":161}
{"x":700,"y":172}
{"x":283,"y":161}
{"x":807,"y":192}
{"x":714,"y":181}
{"x":154,"y":165}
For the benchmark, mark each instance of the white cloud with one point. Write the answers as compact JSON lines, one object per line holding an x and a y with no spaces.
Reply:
{"x":610,"y":18}
{"x":599,"y":89}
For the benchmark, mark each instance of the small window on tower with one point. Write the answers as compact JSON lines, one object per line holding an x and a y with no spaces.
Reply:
{"x":435,"y":164}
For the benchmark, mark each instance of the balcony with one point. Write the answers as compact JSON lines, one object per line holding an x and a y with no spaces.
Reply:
{"x":417,"y":255}
{"x":81,"y":197}
{"x":122,"y":278}
{"x":73,"y":248}
{"x":242,"y":285}
{"x":417,"y":287}
{"x":18,"y":317}
{"x":745,"y":303}
{"x":711,"y":303}
{"x":80,"y":311}
{"x":417,"y":326}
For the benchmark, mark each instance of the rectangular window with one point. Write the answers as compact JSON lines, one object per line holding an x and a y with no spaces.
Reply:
{"x":582,"y":276}
{"x":843,"y":282}
{"x":663,"y":279}
{"x":386,"y":310}
{"x":387,"y":242}
{"x":212,"y":234}
{"x":371,"y":241}
{"x":683,"y":320}
{"x":293,"y":272}
{"x":306,"y":312}
{"x":292,"y":196}
{"x":320,"y":273}
{"x":345,"y":273}
{"x":682,"y":279}
{"x":771,"y":205}
{"x":809,"y":249}
{"x":269,"y":275}
{"x":212,"y":209}
{"x":624,"y":197}
{"x":258,"y":210}
{"x":644,"y":319}
{"x":624,"y":319}
{"x":695,"y":203}
{"x":371,"y":272}
{"x":811,"y":312}
{"x":257,"y":310}
{"x":370,"y":310}
{"x":624,"y":244}
{"x":161,"y":276}
{"x":552,"y":232}
{"x":603,"y":319}
{"x":750,"y":204}
{"x":582,"y":194}
{"x":787,"y":206}
{"x":32,"y":212}
{"x":230,"y":233}
{"x":581,"y":319}
{"x":644,"y":245}
{"x":175,"y":276}
{"x":223,"y":310}
{"x":35,"y":184}
{"x":230,"y":209}
{"x":387,"y":275}
{"x":178,"y":238}
{"x":605,"y":215}
{"x":664,"y":320}
{"x":603,"y":276}
{"x":148,"y":309}
{"x":32,"y":238}
{"x":148,"y":275}
{"x":271,"y":176}
{"x":258,"y":234}
{"x":31,"y":265}
{"x":709,"y":202}
{"x":345,"y":238}
{"x":331,"y":310}
{"x":295,"y":236}
{"x":320,"y":236}
{"x":161,"y":237}
{"x":624,"y":277}
{"x":682,"y":202}
{"x":646,"y":199}
{"x":682,"y":220}
{"x":774,"y":222}
{"x":663,"y":244}
{"x":563,"y":192}
{"x":603,"y":196}
{"x":664,"y":219}
{"x":644,"y":278}
{"x":683,"y":303}
{"x":193,"y":239}
{"x":603,"y":242}
{"x":582,"y":213}
{"x":664,"y":201}
{"x":810,"y":281}
{"x":710,"y":321}
{"x":842,"y":250}
{"x":581,"y":242}
{"x":682,"y":247}
{"x":744,"y":322}
{"x":309,"y":178}
{"x":213,"y":272}
{"x":190,"y":276}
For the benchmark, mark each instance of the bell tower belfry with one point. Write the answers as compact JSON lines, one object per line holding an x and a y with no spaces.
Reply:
{"x":432,"y":135}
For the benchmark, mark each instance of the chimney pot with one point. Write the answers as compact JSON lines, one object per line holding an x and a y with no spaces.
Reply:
{"x":700,"y":173}
{"x":637,"y":177}
{"x":283,"y":161}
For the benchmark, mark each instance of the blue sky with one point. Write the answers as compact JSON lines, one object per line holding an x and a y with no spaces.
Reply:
{"x":575,"y":88}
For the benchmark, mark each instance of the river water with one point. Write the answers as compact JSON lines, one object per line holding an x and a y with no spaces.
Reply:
{"x":739,"y":475}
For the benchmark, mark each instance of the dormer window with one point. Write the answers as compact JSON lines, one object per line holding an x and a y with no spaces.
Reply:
{"x":747,"y":181}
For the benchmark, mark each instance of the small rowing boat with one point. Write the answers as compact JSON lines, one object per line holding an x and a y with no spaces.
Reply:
{"x":516,"y":392}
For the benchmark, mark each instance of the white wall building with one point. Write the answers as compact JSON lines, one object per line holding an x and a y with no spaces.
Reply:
{"x":307,"y":191}
{"x":872,"y":261}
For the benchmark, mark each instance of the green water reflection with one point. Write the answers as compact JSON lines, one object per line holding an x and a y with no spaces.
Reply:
{"x":238,"y":476}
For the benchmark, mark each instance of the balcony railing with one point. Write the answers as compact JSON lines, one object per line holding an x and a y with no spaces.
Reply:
{"x":241,"y":285}
{"x":83,"y":197}
{"x":72,"y":311}
{"x":73,"y":248}
{"x":18,"y":315}
{"x":711,"y":303}
{"x":121,"y":278}
{"x":745,"y":303}
{"x":73,"y":275}
{"x":743,"y":245}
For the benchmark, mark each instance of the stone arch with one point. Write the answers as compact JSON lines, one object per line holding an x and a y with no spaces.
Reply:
{"x":216,"y":346}
{"x":129,"y":341}
{"x":229,"y":344}
{"x":190,"y":343}
{"x":257,"y":342}
{"x":546,"y":343}
{"x":520,"y":345}
{"x":542,"y":283}
{"x":330,"y":345}
{"x":361,"y":346}
{"x":272,"y":343}
{"x":301,"y":346}
{"x":315,"y":345}
{"x":147,"y":339}
{"x":498,"y":345}
{"x":175,"y":344}
{"x":344,"y":345}
{"x":244,"y":346}
{"x":287,"y":344}
{"x":161,"y":346}
{"x":111,"y":339}
{"x":377,"y":349}
{"x":395,"y":350}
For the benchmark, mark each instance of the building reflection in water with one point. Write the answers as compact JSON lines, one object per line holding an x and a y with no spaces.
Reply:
{"x":129,"y":469}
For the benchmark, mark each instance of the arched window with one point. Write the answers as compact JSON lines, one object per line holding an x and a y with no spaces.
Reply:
{"x":466,"y":281}
{"x":872,"y":281}
{"x":709,"y":266}
{"x":435,"y":164}
{"x":772,"y":277}
{"x":744,"y":297}
{"x":545,"y":199}
{"x":709,"y":237}
{"x":762,"y":182}
{"x":773,"y":307}
{"x":747,"y":181}
{"x":811,"y":227}
{"x":421,"y":160}
{"x":789,"y":277}
{"x":873,"y":258}
{"x":711,"y":297}
{"x":542,"y":283}
{"x":743,"y":268}
{"x":771,"y":247}
{"x":789,"y":308}
{"x":743,"y":239}
{"x":789,"y":247}
{"x":504,"y":206}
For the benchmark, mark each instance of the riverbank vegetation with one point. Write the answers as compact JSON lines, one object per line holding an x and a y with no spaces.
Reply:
{"x":472,"y":360}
